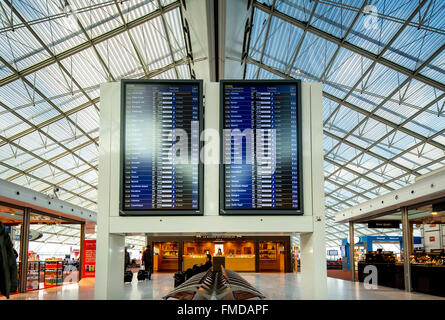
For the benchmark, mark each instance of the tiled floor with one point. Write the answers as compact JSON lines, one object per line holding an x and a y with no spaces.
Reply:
{"x":273,"y":285}
{"x":341,"y":274}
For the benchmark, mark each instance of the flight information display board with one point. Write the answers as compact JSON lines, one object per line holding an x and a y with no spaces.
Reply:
{"x":161,"y":122}
{"x":260,"y":147}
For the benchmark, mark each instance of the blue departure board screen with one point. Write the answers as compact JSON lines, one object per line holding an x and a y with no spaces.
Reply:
{"x":261,"y":147}
{"x":160,"y":144}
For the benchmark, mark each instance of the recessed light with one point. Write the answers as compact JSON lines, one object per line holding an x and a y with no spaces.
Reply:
{"x":433,"y":213}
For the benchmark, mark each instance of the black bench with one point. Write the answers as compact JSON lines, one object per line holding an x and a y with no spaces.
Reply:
{"x":215,"y":285}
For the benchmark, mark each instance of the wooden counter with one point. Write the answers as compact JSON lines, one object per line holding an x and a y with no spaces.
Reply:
{"x":235,"y":263}
{"x":240,"y":263}
{"x":155,"y":262}
{"x":189,"y":261}
{"x":429,"y":279}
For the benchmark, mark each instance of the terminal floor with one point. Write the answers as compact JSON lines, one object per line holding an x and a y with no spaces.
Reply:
{"x":273,"y":285}
{"x":341,"y":274}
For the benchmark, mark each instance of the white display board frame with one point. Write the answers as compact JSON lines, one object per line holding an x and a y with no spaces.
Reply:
{"x":112,"y":228}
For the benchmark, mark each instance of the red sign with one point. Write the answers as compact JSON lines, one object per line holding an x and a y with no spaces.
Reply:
{"x":432,"y":239}
{"x":89,"y":259}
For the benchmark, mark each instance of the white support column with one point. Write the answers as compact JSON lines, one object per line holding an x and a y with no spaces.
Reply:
{"x":109,"y":283}
{"x":109,"y":247}
{"x":196,"y":15}
{"x":236,"y":16}
{"x":210,"y":151}
{"x":406,"y":249}
{"x":352,"y":251}
{"x":313,"y":247}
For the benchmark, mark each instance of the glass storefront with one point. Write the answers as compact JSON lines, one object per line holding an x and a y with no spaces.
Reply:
{"x":272,"y":256}
{"x":54,"y":244}
{"x":241,"y":253}
{"x":165,"y":256}
{"x":53,"y":251}
{"x":12,"y":219}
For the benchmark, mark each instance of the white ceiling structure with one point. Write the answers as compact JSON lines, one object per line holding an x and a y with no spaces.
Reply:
{"x":381,"y":63}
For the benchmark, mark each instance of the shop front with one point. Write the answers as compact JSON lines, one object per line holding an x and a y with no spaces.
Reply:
{"x":413,"y":261}
{"x":239,"y":253}
{"x":48,"y":242}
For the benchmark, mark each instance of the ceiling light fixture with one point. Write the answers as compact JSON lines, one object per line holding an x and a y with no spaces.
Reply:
{"x":434,"y":213}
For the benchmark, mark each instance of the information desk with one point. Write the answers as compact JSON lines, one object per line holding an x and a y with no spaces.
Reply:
{"x":425,"y":278}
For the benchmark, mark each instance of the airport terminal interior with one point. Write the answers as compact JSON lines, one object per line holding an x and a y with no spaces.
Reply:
{"x":233,"y":149}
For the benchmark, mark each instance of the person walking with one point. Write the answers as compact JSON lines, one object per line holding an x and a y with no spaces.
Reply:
{"x":148,"y":261}
{"x":127,"y":259}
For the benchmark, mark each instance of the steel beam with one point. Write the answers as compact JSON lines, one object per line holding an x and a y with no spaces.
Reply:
{"x":347,"y":189}
{"x":187,"y":42}
{"x":50,"y":121}
{"x":164,"y":25}
{"x":334,"y":56}
{"x":48,"y":161}
{"x":371,"y":68}
{"x":60,"y":116}
{"x":86,"y":104}
{"x":381,"y":104}
{"x":93,"y":6}
{"x":397,"y":156}
{"x":43,"y":44}
{"x":81,"y":193}
{"x":303,"y":36}
{"x":62,"y":182}
{"x":85,"y":45}
{"x":48,"y":188}
{"x":25,"y":80}
{"x":359,"y":176}
{"x":363,"y":111}
{"x":269,"y":20}
{"x":424,"y":140}
{"x":33,"y":126}
{"x":43,"y":181}
{"x":373,"y":154}
{"x":133,"y":43}
{"x":246,"y":46}
{"x":392,"y":179}
{"x":383,"y":16}
{"x":48,"y":148}
{"x":93,"y":46}
{"x":398,"y":127}
{"x":305,"y":74}
{"x":351,"y":47}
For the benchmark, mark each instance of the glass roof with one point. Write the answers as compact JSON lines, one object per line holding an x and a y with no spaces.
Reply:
{"x":383,"y":105}
{"x":382,"y":73}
